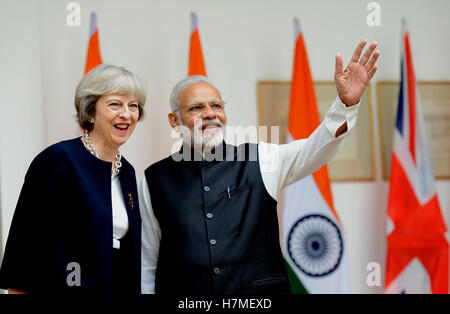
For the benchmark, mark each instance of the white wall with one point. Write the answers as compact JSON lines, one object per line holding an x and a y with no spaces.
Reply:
{"x":244,"y":41}
{"x":22,"y":118}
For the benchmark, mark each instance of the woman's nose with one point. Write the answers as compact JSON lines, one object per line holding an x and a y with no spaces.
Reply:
{"x":125,"y":112}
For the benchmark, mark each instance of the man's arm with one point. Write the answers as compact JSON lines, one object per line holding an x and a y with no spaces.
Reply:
{"x":151,"y":236}
{"x":282,"y":165}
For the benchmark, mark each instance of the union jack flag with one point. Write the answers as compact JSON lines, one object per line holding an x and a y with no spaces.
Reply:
{"x":417,"y":256}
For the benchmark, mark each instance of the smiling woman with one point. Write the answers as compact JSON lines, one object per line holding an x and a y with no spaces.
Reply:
{"x":78,"y":199}
{"x":114,"y":120}
{"x":106,"y":80}
{"x":109,"y":101}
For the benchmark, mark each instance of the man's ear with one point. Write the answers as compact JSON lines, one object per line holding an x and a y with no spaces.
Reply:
{"x":173,"y":121}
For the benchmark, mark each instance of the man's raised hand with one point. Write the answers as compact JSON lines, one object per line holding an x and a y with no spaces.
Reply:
{"x":351,"y":82}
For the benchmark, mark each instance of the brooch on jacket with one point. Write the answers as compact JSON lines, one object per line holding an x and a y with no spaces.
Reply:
{"x":131,"y":201}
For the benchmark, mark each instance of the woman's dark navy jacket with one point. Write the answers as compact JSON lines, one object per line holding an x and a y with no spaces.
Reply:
{"x":64,"y":215}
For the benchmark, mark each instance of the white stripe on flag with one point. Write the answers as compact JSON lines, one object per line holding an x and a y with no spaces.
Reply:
{"x":305,"y":206}
{"x":414,"y":277}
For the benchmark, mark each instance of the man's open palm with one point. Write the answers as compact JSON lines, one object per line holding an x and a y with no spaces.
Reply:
{"x":352,"y":81}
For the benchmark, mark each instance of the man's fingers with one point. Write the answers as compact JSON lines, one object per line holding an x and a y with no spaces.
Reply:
{"x":358,"y":51}
{"x":372,"y":60}
{"x":372,"y":72}
{"x":339,"y":65}
{"x":368,"y":53}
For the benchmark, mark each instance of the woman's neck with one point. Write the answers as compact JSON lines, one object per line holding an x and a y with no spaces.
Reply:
{"x":104,"y":151}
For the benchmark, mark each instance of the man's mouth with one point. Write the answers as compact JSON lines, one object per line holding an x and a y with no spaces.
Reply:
{"x":210,"y":127}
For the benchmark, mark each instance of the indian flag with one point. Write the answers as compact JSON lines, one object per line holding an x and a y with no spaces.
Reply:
{"x":312,"y":238}
{"x":196,"y":62}
{"x":93,"y":57}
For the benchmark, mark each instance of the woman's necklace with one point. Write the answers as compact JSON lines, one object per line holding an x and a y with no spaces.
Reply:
{"x":90,"y":147}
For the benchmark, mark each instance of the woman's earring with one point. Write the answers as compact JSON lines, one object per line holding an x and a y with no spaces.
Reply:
{"x":92,"y":121}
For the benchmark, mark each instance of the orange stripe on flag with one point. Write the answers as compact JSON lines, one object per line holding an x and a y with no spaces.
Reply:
{"x":304,"y":113}
{"x":196,"y":63}
{"x":93,"y":55}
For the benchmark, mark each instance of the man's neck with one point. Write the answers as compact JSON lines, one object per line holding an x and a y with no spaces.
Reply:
{"x":202,"y":150}
{"x":205,"y":149}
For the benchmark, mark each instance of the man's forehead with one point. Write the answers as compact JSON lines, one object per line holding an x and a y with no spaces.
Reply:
{"x":200,"y":91}
{"x":200,"y":86}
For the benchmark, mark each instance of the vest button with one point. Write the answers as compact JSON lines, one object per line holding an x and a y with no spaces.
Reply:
{"x":209,"y":215}
{"x":206,"y":188}
{"x":212,"y":242}
{"x":216,"y":270}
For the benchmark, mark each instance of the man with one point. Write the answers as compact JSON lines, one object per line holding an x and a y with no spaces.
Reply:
{"x":210,"y":223}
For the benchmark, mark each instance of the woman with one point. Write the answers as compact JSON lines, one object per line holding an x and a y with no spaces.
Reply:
{"x":77,"y":226}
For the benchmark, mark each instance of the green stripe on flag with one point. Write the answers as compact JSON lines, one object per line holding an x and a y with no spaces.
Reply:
{"x":294,"y":282}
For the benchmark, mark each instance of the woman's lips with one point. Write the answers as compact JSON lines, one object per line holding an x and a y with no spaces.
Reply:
{"x":121,"y":128}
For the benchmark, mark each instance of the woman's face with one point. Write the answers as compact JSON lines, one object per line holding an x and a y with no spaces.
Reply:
{"x":115,"y":119}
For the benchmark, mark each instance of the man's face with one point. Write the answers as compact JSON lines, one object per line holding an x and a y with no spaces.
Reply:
{"x":202,"y":111}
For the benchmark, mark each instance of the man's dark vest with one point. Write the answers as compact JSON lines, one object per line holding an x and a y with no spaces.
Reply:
{"x":219,"y":225}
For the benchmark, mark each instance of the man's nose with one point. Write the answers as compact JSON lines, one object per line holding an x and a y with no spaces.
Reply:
{"x":208,"y":113}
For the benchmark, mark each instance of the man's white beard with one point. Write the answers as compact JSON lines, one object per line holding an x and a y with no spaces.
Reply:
{"x":203,"y":141}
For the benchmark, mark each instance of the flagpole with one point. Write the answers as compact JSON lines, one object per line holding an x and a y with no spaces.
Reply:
{"x":297,"y":28}
{"x":93,"y":23}
{"x":194,"y":21}
{"x":404,"y":25}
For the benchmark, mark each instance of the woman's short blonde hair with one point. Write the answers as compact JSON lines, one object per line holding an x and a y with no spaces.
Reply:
{"x":105,"y":80}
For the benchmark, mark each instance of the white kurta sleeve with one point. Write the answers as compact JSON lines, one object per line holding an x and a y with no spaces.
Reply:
{"x":151,"y":236}
{"x":282,"y":165}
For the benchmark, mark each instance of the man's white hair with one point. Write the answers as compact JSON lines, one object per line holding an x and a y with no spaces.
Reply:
{"x":182,"y":85}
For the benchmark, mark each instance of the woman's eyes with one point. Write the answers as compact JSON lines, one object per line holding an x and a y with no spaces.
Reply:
{"x":115,"y":105}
